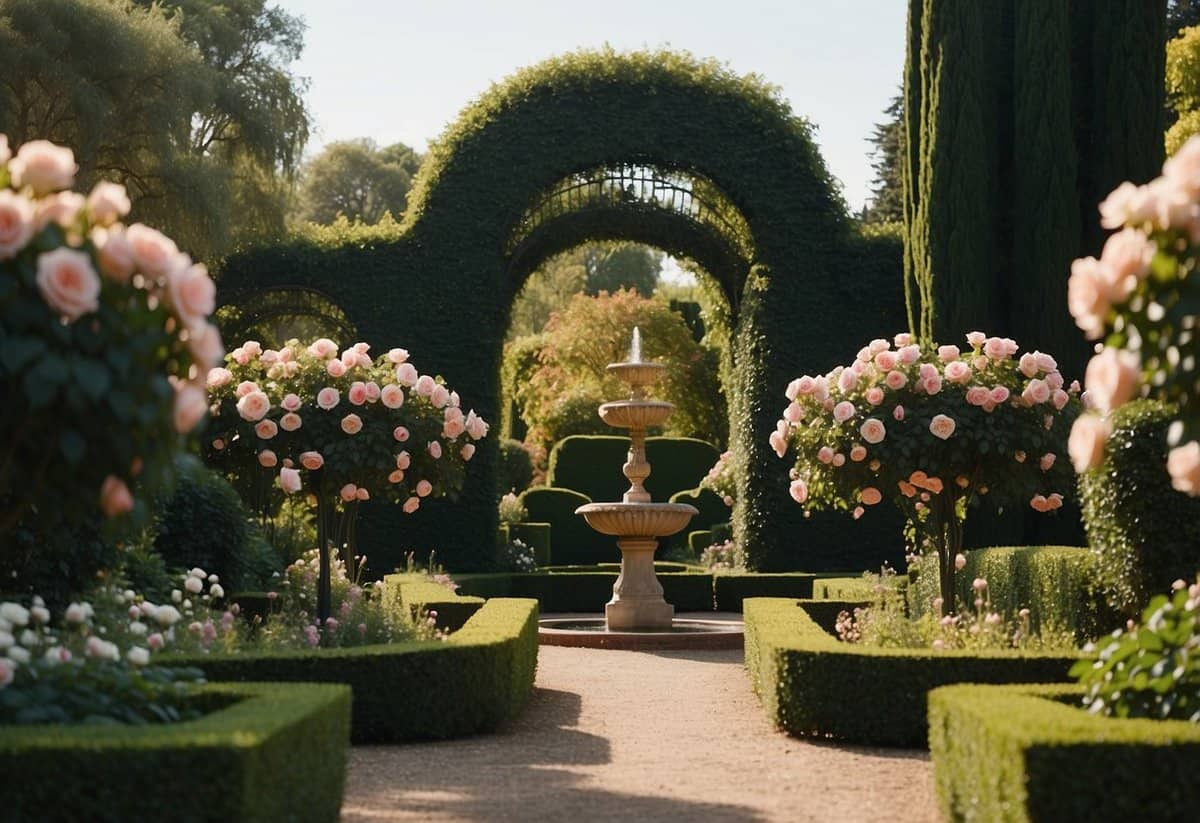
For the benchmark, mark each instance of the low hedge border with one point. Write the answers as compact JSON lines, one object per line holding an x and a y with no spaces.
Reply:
{"x":810,"y":683}
{"x":1021,"y":753}
{"x":272,"y":752}
{"x":419,"y":594}
{"x":476,"y":679}
{"x":843,"y":588}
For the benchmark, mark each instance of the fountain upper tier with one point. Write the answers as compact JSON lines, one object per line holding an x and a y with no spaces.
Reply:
{"x":638,"y":376}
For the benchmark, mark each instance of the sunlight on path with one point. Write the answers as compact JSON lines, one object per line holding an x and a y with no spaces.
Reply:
{"x":640,"y":736}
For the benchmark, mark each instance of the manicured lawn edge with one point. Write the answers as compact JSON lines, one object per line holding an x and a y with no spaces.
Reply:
{"x":472,"y":682}
{"x":1021,"y":753}
{"x":420,"y":594}
{"x":273,"y":752}
{"x":810,"y":683}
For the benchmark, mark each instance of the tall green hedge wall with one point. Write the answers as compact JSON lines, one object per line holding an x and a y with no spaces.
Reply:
{"x":442,"y":285}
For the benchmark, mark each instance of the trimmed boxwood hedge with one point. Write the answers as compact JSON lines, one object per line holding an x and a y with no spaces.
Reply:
{"x":475,"y":680}
{"x":420,"y":595}
{"x":1021,"y":753}
{"x":730,"y":590}
{"x":811,"y":683}
{"x":267,"y":752}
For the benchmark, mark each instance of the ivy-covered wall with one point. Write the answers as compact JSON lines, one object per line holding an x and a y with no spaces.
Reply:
{"x":805,"y":296}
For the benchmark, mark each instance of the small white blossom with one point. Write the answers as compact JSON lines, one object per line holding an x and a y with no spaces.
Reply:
{"x":167,"y":615}
{"x":6,"y":640}
{"x":193,"y":585}
{"x":216,"y":590}
{"x":137,"y":628}
{"x":138,"y":656}
{"x":40,"y":614}
{"x":76,"y":613}
{"x":14,"y":613}
{"x":18,"y":654}
{"x":176,"y":596}
{"x":29,"y":638}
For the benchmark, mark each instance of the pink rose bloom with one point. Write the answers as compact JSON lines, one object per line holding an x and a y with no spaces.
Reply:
{"x":349,"y":493}
{"x":1182,"y":169}
{"x":400,"y":433}
{"x":244,"y":388}
{"x":928,"y":371}
{"x":873,"y":430}
{"x":1088,"y":296}
{"x":874,"y":395}
{"x":115,"y":498}
{"x":847,"y":380}
{"x":798,"y":490}
{"x":62,"y":209}
{"x":191,"y":405}
{"x":898,"y":413}
{"x":397,"y":356}
{"x":1127,"y":203}
{"x":403,"y":460}
{"x":218,"y":444}
{"x":1036,"y":392}
{"x":948,"y":353}
{"x":311,"y":460}
{"x":435,"y":449}
{"x":425,"y":385}
{"x":879,"y":344}
{"x":218,"y":377}
{"x":858,"y":512}
{"x":1054,"y":501}
{"x":1047,"y":461}
{"x":328,"y":397}
{"x":267,"y":459}
{"x":932,"y":386}
{"x":477,"y":427}
{"x":1060,"y":398}
{"x":999,"y":394}
{"x":824,"y":454}
{"x":411,"y":505}
{"x":358,"y":393}
{"x":942,"y":426}
{"x":392,"y":396}
{"x":976,"y":339}
{"x":204,"y":342}
{"x":406,"y":374}
{"x":843,"y":411}
{"x":909,"y":354}
{"x":793,"y":389}
{"x":191,"y":292}
{"x":1054,"y":380}
{"x":1046,"y":363}
{"x":902,"y":339}
{"x":885,"y":361}
{"x":269,"y":357}
{"x":978,"y":395}
{"x":958,"y":372}
{"x":424,"y":488}
{"x":980,"y":363}
{"x":335,"y":368}
{"x":895,"y":380}
{"x":240,"y":356}
{"x":1125,"y":260}
{"x":1183,"y":464}
{"x":793,"y":413}
{"x":373,"y":392}
{"x":778,"y":441}
{"x":361,"y":348}
{"x":820,"y":391}
{"x":1086,"y":443}
{"x":290,"y":402}
{"x":113,"y":251}
{"x":396,"y":477}
{"x":452,"y":428}
{"x":154,"y":252}
{"x":858,"y":453}
{"x":107,"y":203}
{"x":1112,"y":378}
{"x":350,"y":358}
{"x":323,"y":348}
{"x":1028,"y":365}
{"x":439,"y":397}
{"x":266,"y":429}
{"x":1039,"y":503}
{"x":253,"y":406}
{"x":5,"y":151}
{"x":43,"y":166}
{"x":468,"y":451}
{"x":362,"y":494}
{"x":290,"y":422}
{"x":907,"y":489}
{"x":68,"y":282}
{"x":870,"y":496}
{"x":352,"y":424}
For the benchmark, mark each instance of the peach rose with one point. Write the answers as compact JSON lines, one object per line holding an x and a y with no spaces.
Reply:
{"x":253,"y":406}
{"x":311,"y":460}
{"x":1112,"y":378}
{"x":885,"y":361}
{"x":948,"y":353}
{"x":62,"y":209}
{"x":323,"y":348}
{"x":907,"y":489}
{"x":435,"y":449}
{"x":1183,"y":168}
{"x":934,"y":484}
{"x":289,"y":480}
{"x":1039,"y":503}
{"x":452,"y":428}
{"x":392,"y":396}
{"x":873,"y":431}
{"x":266,"y":429}
{"x":858,"y":453}
{"x":978,"y":395}
{"x":362,"y":494}
{"x":1086,"y":443}
{"x":400,"y":433}
{"x":268,"y":459}
{"x":874,"y":395}
{"x":909,"y":354}
{"x":115,"y":498}
{"x":373,"y":392}
{"x":244,"y":388}
{"x":358,"y":393}
{"x":1087,"y":296}
{"x":824,"y":454}
{"x":999,"y":394}
{"x":1037,"y":391}
{"x":467,"y":451}
{"x":191,"y":405}
{"x":1047,"y":364}
{"x":976,"y":339}
{"x":218,"y":377}
{"x":43,"y":166}
{"x":870,"y":496}
{"x":958,"y":372}
{"x":932,"y":386}
{"x":328,"y":398}
{"x":843,"y":411}
{"x":349,"y":493}
{"x":477,"y":427}
{"x":107,"y":203}
{"x":424,"y":488}
{"x":1183,"y":464}
{"x":942,"y":426}
{"x":794,"y":413}
{"x":798,"y":490}
{"x":16,"y":223}
{"x":154,"y":252}
{"x":396,"y":477}
{"x":411,"y":505}
{"x":778,"y":442}
{"x":406,"y":374}
{"x":290,"y":422}
{"x":403,"y":460}
{"x":1028,"y":365}
{"x":5,"y":151}
{"x":68,"y":282}
{"x":352,"y":424}
{"x":439,"y":397}
{"x":895,"y":380}
{"x":335,"y":368}
{"x":191,"y":292}
{"x":847,"y":380}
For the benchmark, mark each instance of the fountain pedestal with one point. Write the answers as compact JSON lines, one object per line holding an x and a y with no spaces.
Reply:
{"x":637,"y":601}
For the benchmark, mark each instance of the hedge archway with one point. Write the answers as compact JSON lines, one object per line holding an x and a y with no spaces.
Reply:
{"x":805,"y":288}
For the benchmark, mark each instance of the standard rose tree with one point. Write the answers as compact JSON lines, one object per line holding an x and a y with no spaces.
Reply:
{"x":341,"y":426}
{"x":1142,"y":298}
{"x":935,"y":429}
{"x":104,"y":344}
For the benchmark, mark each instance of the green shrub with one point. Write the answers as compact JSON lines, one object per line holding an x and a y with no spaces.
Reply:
{"x":712,"y":511}
{"x":1019,"y":753}
{"x":267,"y":752}
{"x":1056,"y":584}
{"x":572,"y":540}
{"x":421,"y":595}
{"x":479,"y":677}
{"x":591,"y":465}
{"x":843,"y":588}
{"x":810,"y":683}
{"x":698,"y":541}
{"x":537,"y":536}
{"x":1145,"y":534}
{"x":515,"y":470}
{"x":730,"y":590}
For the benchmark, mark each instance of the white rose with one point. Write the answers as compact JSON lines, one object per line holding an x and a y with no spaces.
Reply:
{"x":138,"y":656}
{"x":14,"y":613}
{"x":17,"y":654}
{"x":167,"y":615}
{"x":43,"y":166}
{"x":193,"y":584}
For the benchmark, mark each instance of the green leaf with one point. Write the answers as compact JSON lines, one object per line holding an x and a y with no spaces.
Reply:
{"x":18,"y":351}
{"x":73,"y":446}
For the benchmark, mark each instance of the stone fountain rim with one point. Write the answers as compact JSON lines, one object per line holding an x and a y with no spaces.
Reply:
{"x":620,"y":505}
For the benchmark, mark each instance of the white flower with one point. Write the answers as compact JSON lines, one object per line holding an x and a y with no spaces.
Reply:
{"x":212,"y":578}
{"x":167,"y":615}
{"x":18,"y":654}
{"x":216,"y":590}
{"x":137,"y":628}
{"x":6,"y":640}
{"x":29,"y":638}
{"x":176,"y":596}
{"x":138,"y":656}
{"x":14,"y":613}
{"x":194,"y":585}
{"x":40,"y":614}
{"x":55,"y":655}
{"x":99,"y":649}
{"x":77,"y":613}
{"x":198,"y":572}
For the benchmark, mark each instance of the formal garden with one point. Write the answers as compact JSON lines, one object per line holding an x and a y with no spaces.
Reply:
{"x":311,"y":511}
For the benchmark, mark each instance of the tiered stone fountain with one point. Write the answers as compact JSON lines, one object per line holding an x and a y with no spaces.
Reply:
{"x":638,"y":616}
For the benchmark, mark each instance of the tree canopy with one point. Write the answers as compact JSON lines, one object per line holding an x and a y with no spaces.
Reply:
{"x":1183,"y":86}
{"x":358,"y":180}
{"x":887,"y":188}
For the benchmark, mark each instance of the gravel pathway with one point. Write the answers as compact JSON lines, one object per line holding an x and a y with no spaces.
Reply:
{"x":675,"y":736}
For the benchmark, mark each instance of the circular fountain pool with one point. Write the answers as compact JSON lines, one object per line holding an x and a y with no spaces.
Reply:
{"x":683,"y":633}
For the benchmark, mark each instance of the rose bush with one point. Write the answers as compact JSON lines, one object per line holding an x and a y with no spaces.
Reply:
{"x":935,"y":429}
{"x":341,"y":426}
{"x":104,"y":345}
{"x":1141,"y":298}
{"x":720,"y":479}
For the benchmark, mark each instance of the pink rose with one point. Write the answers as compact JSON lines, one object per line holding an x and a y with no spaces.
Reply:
{"x":824,"y":454}
{"x":847,"y":380}
{"x":435,"y":449}
{"x":154,"y":252}
{"x":798,"y":490}
{"x":1088,"y":296}
{"x":468,"y":451}
{"x":858,"y":453}
{"x":16,"y":223}
{"x":403,"y":460}
{"x":1183,"y":168}
{"x":362,"y":494}
{"x":352,"y":424}
{"x":396,"y":477}
{"x":290,"y":422}
{"x":68,"y":283}
{"x":1039,"y":503}
{"x":873,"y":430}
{"x":898,"y":413}
{"x":62,"y":209}
{"x":5,"y":151}
{"x":885,"y":361}
{"x":323,"y":348}
{"x":397,"y":356}
{"x":999,"y":394}
{"x":976,"y":339}
{"x":477,"y":427}
{"x":439,"y":397}
{"x":328,"y":398}
{"x":896,"y":380}
{"x":934,"y":484}
{"x":107,"y":203}
{"x":373,"y":392}
{"x":1054,"y":501}
{"x":289,"y":480}
{"x":1060,"y":399}
{"x":191,"y":405}
{"x":43,"y":166}
{"x":1028,"y":365}
{"x":932,"y":386}
{"x":350,"y":358}
{"x":218,"y":444}
{"x":267,"y":459}
{"x":1047,"y":461}
{"x":191,"y":292}
{"x":1112,"y":378}
{"x":424,"y":488}
{"x":1054,"y":380}
{"x":874,"y":395}
{"x":392,"y":396}
{"x":452,"y":428}
{"x":406,"y":374}
{"x":244,"y":388}
{"x":958,"y":372}
{"x":266,"y":429}
{"x":978,"y":395}
{"x":400,"y":433}
{"x":778,"y":442}
{"x":290,"y":402}
{"x":870,"y":496}
{"x":1183,"y":464}
{"x":1036,"y":392}
{"x":358,"y":393}
{"x":204,"y":342}
{"x":908,"y":355}
{"x":879,"y":344}
{"x":253,"y":406}
{"x":115,"y":498}
{"x":902,"y":339}
{"x":1086,"y":443}
{"x":411,"y":505}
{"x":1046,"y":363}
{"x":311,"y":460}
{"x":335,"y":368}
{"x":793,"y":413}
{"x":948,"y":353}
{"x":858,"y":512}
{"x":843,"y":411}
{"x":425,"y":385}
{"x":349,"y":493}
{"x":942,"y":426}
{"x":218,"y":377}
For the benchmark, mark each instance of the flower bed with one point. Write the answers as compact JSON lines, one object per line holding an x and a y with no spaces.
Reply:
{"x":1019,"y":753}
{"x":478,"y":677}
{"x":273,"y":752}
{"x":810,"y":683}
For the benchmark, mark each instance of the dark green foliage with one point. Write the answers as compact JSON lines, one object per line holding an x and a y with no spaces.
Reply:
{"x":267,"y":752}
{"x":515,"y":471}
{"x":734,"y":138}
{"x":357,"y":180}
{"x":58,"y":566}
{"x":698,"y":541}
{"x":1056,"y":583}
{"x":479,"y":677}
{"x":711,"y":507}
{"x":1145,"y":534}
{"x":421,"y":595}
{"x":586,"y":589}
{"x":145,"y":571}
{"x":722,"y":532}
{"x":1018,"y":753}
{"x":730,"y":590}
{"x":537,"y":536}
{"x":887,"y":189}
{"x":572,"y":540}
{"x":811,"y":683}
{"x":844,"y":588}
{"x":99,"y":693}
{"x":591,"y":465}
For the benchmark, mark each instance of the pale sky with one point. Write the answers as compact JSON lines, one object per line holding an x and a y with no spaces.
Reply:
{"x":401,"y":70}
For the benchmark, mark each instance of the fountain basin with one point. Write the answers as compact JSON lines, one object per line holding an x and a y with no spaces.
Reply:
{"x":637,"y":374}
{"x":635,"y":414}
{"x":637,"y":519}
{"x":593,"y":633}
